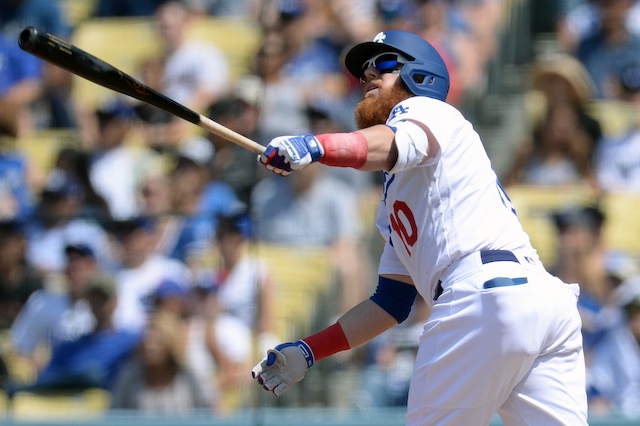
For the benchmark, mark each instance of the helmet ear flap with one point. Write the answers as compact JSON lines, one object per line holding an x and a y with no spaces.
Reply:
{"x":431,"y":81}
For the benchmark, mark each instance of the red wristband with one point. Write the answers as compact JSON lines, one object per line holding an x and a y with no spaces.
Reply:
{"x":344,"y":149}
{"x":327,"y":342}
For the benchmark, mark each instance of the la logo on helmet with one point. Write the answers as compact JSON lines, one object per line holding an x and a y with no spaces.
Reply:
{"x":379,"y":38}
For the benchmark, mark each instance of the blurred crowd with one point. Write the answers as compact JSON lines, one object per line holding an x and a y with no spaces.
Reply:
{"x":149,"y":259}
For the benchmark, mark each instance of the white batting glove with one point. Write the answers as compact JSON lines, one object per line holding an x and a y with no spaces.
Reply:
{"x":283,"y":366}
{"x":287,"y":153}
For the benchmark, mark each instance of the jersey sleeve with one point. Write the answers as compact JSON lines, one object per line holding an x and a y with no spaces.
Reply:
{"x":411,"y":119}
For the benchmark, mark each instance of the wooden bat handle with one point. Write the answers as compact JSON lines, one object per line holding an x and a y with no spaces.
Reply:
{"x":228,"y":134}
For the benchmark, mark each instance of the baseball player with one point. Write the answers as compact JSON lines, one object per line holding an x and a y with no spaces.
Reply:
{"x":503,"y":334}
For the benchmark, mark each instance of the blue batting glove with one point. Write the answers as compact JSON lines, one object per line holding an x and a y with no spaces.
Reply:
{"x":287,"y":153}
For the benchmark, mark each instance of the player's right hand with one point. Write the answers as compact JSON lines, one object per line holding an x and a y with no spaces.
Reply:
{"x":287,"y":153}
{"x":283,"y":366}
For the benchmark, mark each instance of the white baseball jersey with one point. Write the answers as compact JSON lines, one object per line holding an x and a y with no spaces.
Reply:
{"x":438,"y":207}
{"x":490,"y":343}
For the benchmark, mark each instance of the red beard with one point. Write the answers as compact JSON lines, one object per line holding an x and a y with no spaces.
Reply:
{"x":376,"y":110}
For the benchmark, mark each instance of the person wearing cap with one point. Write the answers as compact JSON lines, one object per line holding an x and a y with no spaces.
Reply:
{"x":618,"y":168}
{"x":613,"y":376}
{"x":139,"y":270}
{"x":92,"y":360}
{"x":58,"y":222}
{"x":50,"y":316}
{"x":581,"y":257}
{"x":503,"y":334}
{"x":112,"y":153}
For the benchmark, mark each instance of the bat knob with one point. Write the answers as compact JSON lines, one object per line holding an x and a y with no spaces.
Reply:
{"x":28,"y":38}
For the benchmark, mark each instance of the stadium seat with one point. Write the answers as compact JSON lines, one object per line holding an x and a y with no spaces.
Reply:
{"x":622,"y":228}
{"x":615,"y":117}
{"x":126,"y":42}
{"x":27,"y":406}
{"x":535,"y":205}
{"x":77,"y":11}
{"x":302,"y":277}
{"x":42,"y":147}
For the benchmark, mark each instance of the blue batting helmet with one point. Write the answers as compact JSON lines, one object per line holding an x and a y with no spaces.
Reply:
{"x":425,"y":73}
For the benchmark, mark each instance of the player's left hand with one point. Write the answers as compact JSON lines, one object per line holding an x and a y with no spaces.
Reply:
{"x":283,"y":366}
{"x":287,"y":153}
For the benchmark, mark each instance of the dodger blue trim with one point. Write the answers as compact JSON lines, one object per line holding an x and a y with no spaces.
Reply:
{"x":504,"y":282}
{"x":395,"y":297}
{"x":300,"y":344}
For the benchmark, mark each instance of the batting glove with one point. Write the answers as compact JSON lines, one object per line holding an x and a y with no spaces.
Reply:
{"x":283,"y":366}
{"x":287,"y":153}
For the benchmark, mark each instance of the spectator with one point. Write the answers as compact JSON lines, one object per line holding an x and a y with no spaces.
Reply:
{"x":618,"y":168}
{"x":57,"y":223}
{"x":91,"y":360}
{"x":140,"y":271}
{"x":115,"y":153}
{"x":282,"y":102}
{"x":385,"y":378}
{"x":560,"y":147}
{"x":558,"y":154}
{"x":125,"y":8}
{"x":218,"y":345}
{"x":582,"y":258}
{"x":231,"y":163}
{"x":155,"y":124}
{"x":75,"y":163}
{"x":583,"y":20}
{"x":242,"y":283}
{"x":613,"y":378}
{"x":234,"y":9}
{"x":199,"y":201}
{"x":156,"y":200}
{"x":605,"y":52}
{"x":559,"y":78}
{"x":280,"y":206}
{"x":51,"y":316}
{"x":317,"y":32}
{"x":15,"y":15}
{"x":329,"y":116}
{"x":195,"y":73}
{"x":157,"y":381}
{"x":16,"y":186}
{"x":457,"y":47}
{"x":20,"y":75}
{"x":55,"y":108}
{"x":17,"y":280}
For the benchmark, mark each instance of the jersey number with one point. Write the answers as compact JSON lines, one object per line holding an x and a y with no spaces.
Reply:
{"x":404,"y":224}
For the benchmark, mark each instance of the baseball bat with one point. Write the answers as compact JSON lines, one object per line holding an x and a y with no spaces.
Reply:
{"x":65,"y":55}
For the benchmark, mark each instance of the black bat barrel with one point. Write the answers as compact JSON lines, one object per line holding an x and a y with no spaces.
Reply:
{"x":65,"y":55}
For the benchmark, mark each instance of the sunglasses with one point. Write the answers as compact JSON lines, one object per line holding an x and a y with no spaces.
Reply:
{"x":385,"y":63}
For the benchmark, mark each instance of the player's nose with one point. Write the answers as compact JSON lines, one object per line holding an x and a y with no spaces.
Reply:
{"x":371,"y":73}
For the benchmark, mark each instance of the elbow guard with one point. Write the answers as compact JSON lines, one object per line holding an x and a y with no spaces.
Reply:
{"x":395,"y":297}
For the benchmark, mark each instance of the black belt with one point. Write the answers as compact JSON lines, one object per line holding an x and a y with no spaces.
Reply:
{"x":489,"y":256}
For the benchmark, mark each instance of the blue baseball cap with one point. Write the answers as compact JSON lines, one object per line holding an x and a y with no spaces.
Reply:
{"x":60,"y":185}
{"x":169,"y":288}
{"x":81,"y":249}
